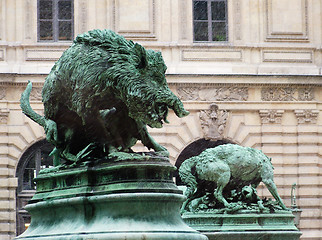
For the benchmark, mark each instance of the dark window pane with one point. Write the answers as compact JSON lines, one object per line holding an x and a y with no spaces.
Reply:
{"x":28,"y":179}
{"x":45,"y":9}
{"x":65,"y":10}
{"x":219,"y":31}
{"x":65,"y":30}
{"x":218,"y":11}
{"x":46,"y":30}
{"x":200,"y":11}
{"x":201,"y":31}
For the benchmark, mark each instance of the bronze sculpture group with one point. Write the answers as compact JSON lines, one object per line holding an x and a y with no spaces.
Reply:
{"x":103,"y":92}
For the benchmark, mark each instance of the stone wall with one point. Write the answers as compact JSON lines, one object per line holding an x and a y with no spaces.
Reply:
{"x":263,"y":86}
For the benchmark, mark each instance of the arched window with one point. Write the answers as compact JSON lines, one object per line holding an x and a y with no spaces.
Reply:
{"x":195,"y":149}
{"x":32,"y":161}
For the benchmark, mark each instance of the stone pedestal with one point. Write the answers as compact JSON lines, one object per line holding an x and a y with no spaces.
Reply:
{"x":128,"y":199}
{"x":244,"y":225}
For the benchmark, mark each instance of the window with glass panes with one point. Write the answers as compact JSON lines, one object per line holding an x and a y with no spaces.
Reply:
{"x":210,"y":20}
{"x":34,"y":159}
{"x":55,"y":20}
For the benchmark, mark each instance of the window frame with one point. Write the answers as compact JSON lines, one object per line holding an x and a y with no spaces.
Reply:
{"x":210,"y":21}
{"x":55,"y":21}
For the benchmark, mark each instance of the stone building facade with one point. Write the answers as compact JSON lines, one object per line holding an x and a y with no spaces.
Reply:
{"x":258,"y":84}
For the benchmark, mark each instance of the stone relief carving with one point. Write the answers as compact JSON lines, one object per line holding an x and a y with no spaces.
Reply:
{"x":308,"y":116}
{"x":36,"y":94}
{"x":213,"y":122}
{"x":306,"y":94}
{"x":188,"y":93}
{"x":4,"y":113}
{"x":271,"y":116}
{"x":2,"y":93}
{"x":278,"y":94}
{"x":213,"y":93}
{"x":287,"y":94}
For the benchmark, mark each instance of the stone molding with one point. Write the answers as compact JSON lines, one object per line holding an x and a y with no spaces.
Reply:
{"x":183,"y":19}
{"x":286,"y":35}
{"x":271,"y":116}
{"x":139,"y":32}
{"x":307,"y":116}
{"x":238,"y":20}
{"x":83,"y":16}
{"x":213,"y":93}
{"x":28,"y":19}
{"x":213,"y":122}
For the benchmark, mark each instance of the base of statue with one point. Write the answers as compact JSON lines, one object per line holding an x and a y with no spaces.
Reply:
{"x":244,"y":225}
{"x":128,"y":199}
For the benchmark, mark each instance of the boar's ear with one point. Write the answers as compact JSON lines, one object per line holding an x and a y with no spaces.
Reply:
{"x":141,"y":53}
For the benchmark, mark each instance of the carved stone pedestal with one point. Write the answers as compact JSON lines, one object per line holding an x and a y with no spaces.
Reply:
{"x":128,"y":199}
{"x":244,"y":226}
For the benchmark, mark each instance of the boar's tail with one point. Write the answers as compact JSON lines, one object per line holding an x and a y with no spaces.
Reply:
{"x":26,"y":108}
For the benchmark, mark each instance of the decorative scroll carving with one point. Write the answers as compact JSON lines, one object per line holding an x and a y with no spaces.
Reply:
{"x":213,"y":122}
{"x":271,"y":116}
{"x":306,"y":94}
{"x":2,"y":93}
{"x":308,"y":116}
{"x":213,"y":93}
{"x":36,"y":94}
{"x":4,"y":113}
{"x":287,"y":94}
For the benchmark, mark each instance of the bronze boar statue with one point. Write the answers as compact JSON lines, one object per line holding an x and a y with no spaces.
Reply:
{"x":100,"y":95}
{"x":230,"y":168}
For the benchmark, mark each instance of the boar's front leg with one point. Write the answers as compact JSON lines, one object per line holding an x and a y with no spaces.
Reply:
{"x":149,"y":142}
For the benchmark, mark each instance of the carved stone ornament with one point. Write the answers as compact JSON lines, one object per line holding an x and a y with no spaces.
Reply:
{"x":308,"y":116}
{"x":306,"y":94}
{"x":2,"y":93}
{"x":213,"y":93}
{"x":213,"y":122}
{"x":188,"y":93}
{"x":287,"y":94}
{"x":271,"y":116}
{"x":4,"y":113}
{"x":278,"y":94}
{"x":36,"y":94}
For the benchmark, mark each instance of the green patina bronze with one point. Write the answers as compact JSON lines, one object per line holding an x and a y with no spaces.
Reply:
{"x":100,"y":95}
{"x":235,"y":172}
{"x":98,"y":99}
{"x":132,"y":199}
{"x":222,"y":200}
